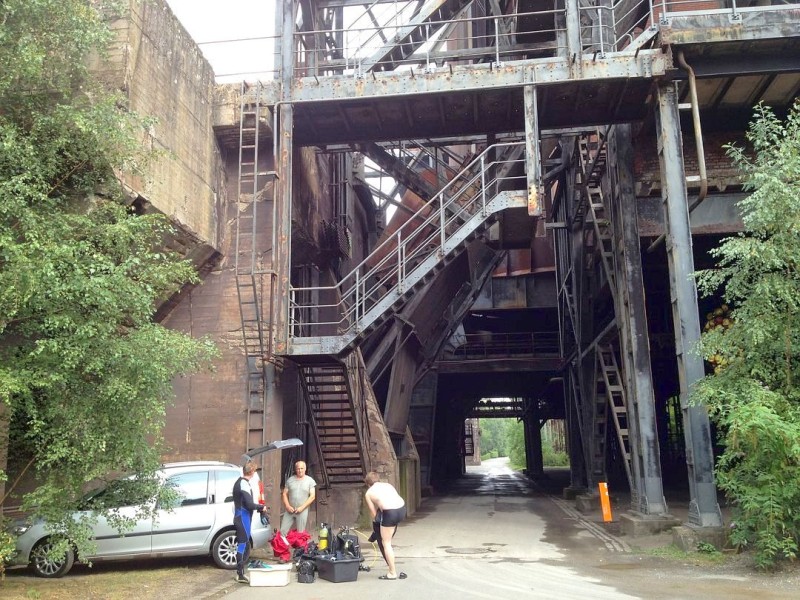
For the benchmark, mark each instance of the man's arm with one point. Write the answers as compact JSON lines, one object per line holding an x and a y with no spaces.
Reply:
{"x":250,"y":504}
{"x":285,"y":498}
{"x":371,"y":505}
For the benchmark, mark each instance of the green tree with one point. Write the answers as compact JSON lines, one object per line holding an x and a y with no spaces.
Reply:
{"x":85,"y":373}
{"x":754,"y":396}
{"x":493,"y":437}
{"x":515,"y":442}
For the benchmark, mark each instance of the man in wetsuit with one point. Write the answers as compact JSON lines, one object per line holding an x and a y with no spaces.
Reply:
{"x":244,"y":505}
{"x":387,"y":508}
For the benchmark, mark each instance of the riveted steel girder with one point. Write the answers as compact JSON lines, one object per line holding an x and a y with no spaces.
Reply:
{"x":646,"y":64}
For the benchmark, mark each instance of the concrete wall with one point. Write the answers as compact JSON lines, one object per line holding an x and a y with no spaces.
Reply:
{"x":163,"y":73}
{"x":209,"y":417}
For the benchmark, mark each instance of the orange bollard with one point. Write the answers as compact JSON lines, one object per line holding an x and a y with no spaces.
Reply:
{"x":605,"y":503}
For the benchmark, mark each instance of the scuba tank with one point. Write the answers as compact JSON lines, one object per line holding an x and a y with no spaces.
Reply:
{"x":323,"y":536}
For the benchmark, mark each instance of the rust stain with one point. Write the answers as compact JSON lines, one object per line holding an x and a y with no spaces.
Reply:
{"x":534,"y":206}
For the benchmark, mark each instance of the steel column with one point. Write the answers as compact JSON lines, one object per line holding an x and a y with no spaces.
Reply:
{"x":636,"y":355}
{"x":703,"y":508}
{"x":533,"y":158}
{"x":285,"y":12}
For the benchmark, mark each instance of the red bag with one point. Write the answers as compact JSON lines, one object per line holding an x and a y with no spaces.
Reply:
{"x":298,"y":539}
{"x":281,"y":548}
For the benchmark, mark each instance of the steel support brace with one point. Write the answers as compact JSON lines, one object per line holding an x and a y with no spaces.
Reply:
{"x":574,"y":50}
{"x":636,"y":359}
{"x":283,"y":254}
{"x":703,"y":507}
{"x":533,"y":162}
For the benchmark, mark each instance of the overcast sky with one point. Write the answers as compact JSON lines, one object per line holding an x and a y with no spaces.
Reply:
{"x":215,"y":20}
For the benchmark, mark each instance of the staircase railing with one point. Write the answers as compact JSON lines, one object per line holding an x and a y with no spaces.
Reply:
{"x":434,"y":229}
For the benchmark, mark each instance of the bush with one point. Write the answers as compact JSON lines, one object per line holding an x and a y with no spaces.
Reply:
{"x":753,"y":396}
{"x":490,"y":454}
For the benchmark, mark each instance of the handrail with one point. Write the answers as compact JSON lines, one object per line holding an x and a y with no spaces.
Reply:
{"x":426,"y":232}
{"x":602,"y":29}
{"x":499,"y":345}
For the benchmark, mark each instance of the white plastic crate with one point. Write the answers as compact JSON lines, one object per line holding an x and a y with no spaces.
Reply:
{"x":269,"y":576}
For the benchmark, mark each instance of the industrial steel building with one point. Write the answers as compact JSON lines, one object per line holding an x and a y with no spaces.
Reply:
{"x":432,"y":204}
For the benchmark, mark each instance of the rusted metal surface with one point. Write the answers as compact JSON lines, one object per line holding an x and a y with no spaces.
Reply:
{"x":717,"y":214}
{"x":757,"y":23}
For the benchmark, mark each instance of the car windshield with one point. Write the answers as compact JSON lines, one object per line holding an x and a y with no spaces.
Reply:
{"x":119,"y":493}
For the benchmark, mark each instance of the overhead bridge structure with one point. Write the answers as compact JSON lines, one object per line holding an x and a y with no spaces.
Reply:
{"x":512,"y":196}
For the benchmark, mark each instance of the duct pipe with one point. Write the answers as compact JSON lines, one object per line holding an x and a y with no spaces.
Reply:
{"x":698,"y":140}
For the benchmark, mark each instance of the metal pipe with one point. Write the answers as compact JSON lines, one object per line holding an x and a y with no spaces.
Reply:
{"x":698,"y":140}
{"x":698,"y":132}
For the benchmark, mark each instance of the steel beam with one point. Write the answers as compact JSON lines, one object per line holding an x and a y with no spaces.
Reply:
{"x":756,"y":24}
{"x":285,"y":11}
{"x":646,"y":64}
{"x":533,"y":158}
{"x":636,"y":358}
{"x":703,"y":508}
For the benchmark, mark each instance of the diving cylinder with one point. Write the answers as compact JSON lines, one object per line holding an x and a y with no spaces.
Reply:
{"x":323,"y":536}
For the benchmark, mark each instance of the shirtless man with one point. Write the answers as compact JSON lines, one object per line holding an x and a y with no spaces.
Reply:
{"x":387,"y":508}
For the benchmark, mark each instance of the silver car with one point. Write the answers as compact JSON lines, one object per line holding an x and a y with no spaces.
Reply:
{"x":201,"y":523}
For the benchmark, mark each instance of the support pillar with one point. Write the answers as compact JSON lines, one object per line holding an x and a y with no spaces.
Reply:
{"x":533,"y":158}
{"x":645,"y":449}
{"x":533,"y":440}
{"x":703,"y":507}
{"x":285,"y":19}
{"x":578,"y":482}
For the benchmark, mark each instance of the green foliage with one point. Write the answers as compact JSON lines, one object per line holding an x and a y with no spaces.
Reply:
{"x":515,"y":442}
{"x":754,"y":398}
{"x":506,"y":437}
{"x":493,"y":436}
{"x":552,"y":457}
{"x":7,"y":547}
{"x":85,"y":375}
{"x":707,"y":548}
{"x":706,"y":554}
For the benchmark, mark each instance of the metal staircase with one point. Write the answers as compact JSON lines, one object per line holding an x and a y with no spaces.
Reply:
{"x":611,"y":389}
{"x":408,"y":260}
{"x":600,"y":215}
{"x":248,"y":259}
{"x":337,"y":435}
{"x":411,"y":32}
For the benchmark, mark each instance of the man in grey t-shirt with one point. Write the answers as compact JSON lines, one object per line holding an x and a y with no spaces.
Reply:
{"x":298,"y":494}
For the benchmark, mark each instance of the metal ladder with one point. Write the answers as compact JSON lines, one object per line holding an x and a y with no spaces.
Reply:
{"x":247,"y":263}
{"x":612,"y":390}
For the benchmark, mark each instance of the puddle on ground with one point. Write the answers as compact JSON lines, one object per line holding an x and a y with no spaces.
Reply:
{"x":469,"y":550}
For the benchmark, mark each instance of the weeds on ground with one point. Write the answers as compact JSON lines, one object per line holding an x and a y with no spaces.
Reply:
{"x":706,"y":554}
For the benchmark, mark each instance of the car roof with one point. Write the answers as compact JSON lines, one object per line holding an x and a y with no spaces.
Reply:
{"x":199,"y":463}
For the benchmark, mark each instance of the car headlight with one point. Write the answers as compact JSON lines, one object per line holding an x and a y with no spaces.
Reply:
{"x":18,"y":530}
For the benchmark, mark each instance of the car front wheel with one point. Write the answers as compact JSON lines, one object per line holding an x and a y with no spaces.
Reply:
{"x":44,"y":566}
{"x":223,"y":550}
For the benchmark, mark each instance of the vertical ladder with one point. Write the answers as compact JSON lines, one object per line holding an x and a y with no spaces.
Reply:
{"x":603,"y":237}
{"x":469,"y":441}
{"x":247,"y":267}
{"x":610,"y":381}
{"x":328,"y":392}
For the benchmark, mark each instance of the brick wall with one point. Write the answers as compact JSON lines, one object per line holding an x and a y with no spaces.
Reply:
{"x":719,"y":169}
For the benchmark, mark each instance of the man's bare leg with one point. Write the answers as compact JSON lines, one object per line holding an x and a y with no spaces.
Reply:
{"x":388,"y":552}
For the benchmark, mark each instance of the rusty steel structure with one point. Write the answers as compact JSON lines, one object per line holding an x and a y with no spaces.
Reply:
{"x":521,"y":249}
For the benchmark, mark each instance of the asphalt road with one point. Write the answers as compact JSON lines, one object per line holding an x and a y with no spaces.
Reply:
{"x":496,"y":535}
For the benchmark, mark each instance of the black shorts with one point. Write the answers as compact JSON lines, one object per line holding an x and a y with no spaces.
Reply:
{"x":392,"y":517}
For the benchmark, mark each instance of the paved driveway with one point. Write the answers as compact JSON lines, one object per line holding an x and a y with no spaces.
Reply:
{"x":494,"y":535}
